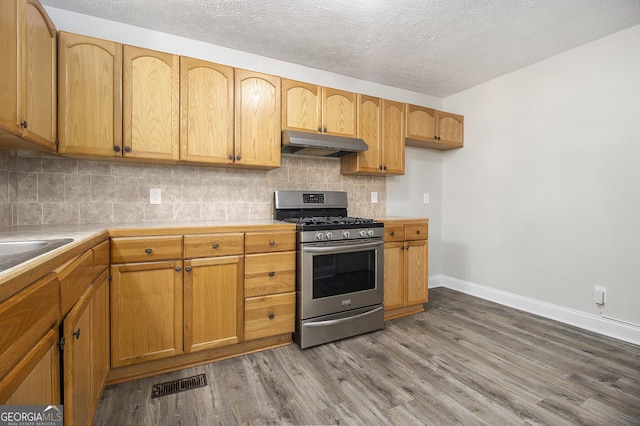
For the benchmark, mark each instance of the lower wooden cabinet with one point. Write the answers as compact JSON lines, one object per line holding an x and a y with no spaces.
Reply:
{"x":269,"y":315}
{"x":213,"y":301}
{"x":146,"y":311}
{"x":406,"y":254}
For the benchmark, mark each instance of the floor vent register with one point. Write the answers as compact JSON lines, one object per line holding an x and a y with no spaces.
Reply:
{"x":179,"y":385}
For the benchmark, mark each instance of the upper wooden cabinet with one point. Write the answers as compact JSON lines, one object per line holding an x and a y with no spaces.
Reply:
{"x":89,"y":99}
{"x":28,"y":82}
{"x":151,"y":104}
{"x":310,"y":108}
{"x":206,"y":129}
{"x":257,"y":120}
{"x":381,"y":126}
{"x":430,"y":128}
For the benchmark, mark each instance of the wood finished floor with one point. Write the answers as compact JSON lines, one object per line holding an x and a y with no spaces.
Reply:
{"x":462,"y":361}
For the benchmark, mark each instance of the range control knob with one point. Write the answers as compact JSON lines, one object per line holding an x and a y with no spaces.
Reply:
{"x":329,"y":235}
{"x":319,"y":236}
{"x":346,"y":235}
{"x":370,"y":232}
{"x":362,"y":233}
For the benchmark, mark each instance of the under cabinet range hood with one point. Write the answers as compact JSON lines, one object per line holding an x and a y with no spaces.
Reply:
{"x":303,"y":143}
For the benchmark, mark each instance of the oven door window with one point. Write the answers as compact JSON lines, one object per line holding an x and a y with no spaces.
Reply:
{"x":343,"y":273}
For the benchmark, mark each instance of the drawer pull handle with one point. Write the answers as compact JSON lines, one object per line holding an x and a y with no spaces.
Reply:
{"x":188,"y":269}
{"x":272,"y":243}
{"x":271,"y":316}
{"x":418,"y":232}
{"x":272,"y":274}
{"x":148,"y":250}
{"x":215,"y":246}
{"x":393,"y":233}
{"x":77,"y":334}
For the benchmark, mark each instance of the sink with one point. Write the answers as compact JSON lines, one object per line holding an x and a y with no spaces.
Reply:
{"x":10,"y":248}
{"x":13,"y":253}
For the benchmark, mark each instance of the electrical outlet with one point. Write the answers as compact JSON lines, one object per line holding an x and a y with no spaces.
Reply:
{"x":374,"y":197}
{"x":154,"y":196}
{"x":600,"y":295}
{"x":425,"y":198}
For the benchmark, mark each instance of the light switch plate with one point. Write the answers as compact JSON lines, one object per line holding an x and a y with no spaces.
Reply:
{"x":374,"y":197}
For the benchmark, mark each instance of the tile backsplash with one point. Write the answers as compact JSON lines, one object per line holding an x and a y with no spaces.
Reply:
{"x":45,"y":189}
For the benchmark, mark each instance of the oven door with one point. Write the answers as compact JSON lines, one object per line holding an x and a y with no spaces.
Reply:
{"x":337,"y":276}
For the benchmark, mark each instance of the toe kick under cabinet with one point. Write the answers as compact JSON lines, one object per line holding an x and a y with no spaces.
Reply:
{"x":183,"y":300}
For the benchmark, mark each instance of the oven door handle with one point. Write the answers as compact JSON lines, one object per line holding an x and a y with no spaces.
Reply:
{"x":341,"y":320}
{"x":349,"y":247}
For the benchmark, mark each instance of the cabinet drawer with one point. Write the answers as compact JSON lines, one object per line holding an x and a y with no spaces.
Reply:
{"x":75,"y":277}
{"x":146,"y":249}
{"x":25,"y":318}
{"x":416,"y":232}
{"x":209,"y":245}
{"x":269,"y":315}
{"x":269,"y":273}
{"x":393,"y":232}
{"x":264,"y":242}
{"x":100,"y":258}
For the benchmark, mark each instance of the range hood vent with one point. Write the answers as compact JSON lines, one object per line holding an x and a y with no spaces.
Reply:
{"x":303,"y":143}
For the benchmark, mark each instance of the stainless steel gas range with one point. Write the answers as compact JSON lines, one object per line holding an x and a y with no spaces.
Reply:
{"x":340,"y":261}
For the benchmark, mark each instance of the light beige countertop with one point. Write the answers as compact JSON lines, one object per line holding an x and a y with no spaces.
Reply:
{"x":85,"y":237}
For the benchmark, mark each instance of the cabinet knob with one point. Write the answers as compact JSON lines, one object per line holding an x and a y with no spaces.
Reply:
{"x":384,"y":168}
{"x":188,"y":269}
{"x":271,"y":316}
{"x":324,"y":130}
{"x":418,"y":232}
{"x":215,"y":246}
{"x":127,"y":149}
{"x":380,"y":166}
{"x":230,"y":157}
{"x":77,"y":334}
{"x":116,"y":148}
{"x":148,"y":250}
{"x":238,"y":157}
{"x":178,"y":268}
{"x":408,"y":248}
{"x":402,"y":248}
{"x":319,"y":129}
{"x":24,"y":124}
{"x":272,"y":243}
{"x":393,"y":233}
{"x":272,"y":274}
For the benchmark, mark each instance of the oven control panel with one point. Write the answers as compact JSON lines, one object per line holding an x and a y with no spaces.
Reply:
{"x":341,"y":234}
{"x":313,"y":198}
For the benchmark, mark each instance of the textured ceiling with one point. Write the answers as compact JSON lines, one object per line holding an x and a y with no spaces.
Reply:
{"x":435,"y":47}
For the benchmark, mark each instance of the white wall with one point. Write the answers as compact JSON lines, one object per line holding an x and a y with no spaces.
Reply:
{"x":544,"y":199}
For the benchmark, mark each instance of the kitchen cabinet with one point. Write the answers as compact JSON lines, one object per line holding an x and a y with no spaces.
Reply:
{"x":89,"y":96}
{"x":381,"y":126}
{"x":207,"y":102}
{"x":151,"y":105}
{"x":257,"y":120}
{"x":430,"y":128}
{"x":405,"y":267}
{"x":269,"y":285}
{"x":29,"y":357}
{"x":146,"y":299}
{"x":28,"y":85}
{"x":213,"y":290}
{"x":316,"y":109}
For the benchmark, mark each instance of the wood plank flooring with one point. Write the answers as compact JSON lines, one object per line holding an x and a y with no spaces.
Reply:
{"x":462,"y":361}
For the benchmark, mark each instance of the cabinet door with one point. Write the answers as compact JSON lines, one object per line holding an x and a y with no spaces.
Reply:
{"x":78,"y":401}
{"x":100,"y":337}
{"x":89,"y":100}
{"x":392,"y":137}
{"x":151,"y":104}
{"x":393,"y":275}
{"x":10,"y":118}
{"x":421,"y":124}
{"x":39,"y":102}
{"x":450,"y":129}
{"x":339,"y":112}
{"x":416,"y":257}
{"x":213,"y":302}
{"x":301,"y":106}
{"x":35,"y":380}
{"x":369,"y":127}
{"x":206,"y":131}
{"x":146,"y":312}
{"x":257,"y":119}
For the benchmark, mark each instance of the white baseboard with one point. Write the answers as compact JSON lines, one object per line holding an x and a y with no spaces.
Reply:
{"x":618,"y":330}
